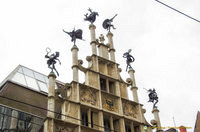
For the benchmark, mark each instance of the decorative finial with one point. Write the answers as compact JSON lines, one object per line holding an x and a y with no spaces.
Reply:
{"x":129,"y":59}
{"x":153,"y":97}
{"x":75,"y":35}
{"x":52,"y":60}
{"x":107,"y":23}
{"x":92,"y":17}
{"x":101,"y":38}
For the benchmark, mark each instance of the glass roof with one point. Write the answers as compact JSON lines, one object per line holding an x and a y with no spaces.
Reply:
{"x":29,"y":78}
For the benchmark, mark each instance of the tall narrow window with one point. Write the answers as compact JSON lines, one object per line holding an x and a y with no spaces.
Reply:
{"x":91,"y":119}
{"x":94,"y":120}
{"x":5,"y":118}
{"x":112,"y":87}
{"x":127,"y":127}
{"x":24,"y":122}
{"x":106,"y":124}
{"x":136,"y":129}
{"x":103,"y":84}
{"x":116,"y":125}
{"x":84,"y":117}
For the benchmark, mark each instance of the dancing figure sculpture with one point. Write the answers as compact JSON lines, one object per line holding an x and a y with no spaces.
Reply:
{"x":75,"y":34}
{"x":52,"y":60}
{"x":129,"y":59}
{"x":153,"y":97}
{"x":107,"y":23}
{"x":91,"y":17}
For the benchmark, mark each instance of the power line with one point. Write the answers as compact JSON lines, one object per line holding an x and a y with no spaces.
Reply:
{"x":177,"y":11}
{"x":50,"y":111}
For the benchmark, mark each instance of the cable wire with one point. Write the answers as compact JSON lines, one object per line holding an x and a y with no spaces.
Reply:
{"x":177,"y":11}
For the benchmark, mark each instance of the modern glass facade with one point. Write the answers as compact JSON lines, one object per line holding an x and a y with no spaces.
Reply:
{"x":31,"y":79}
{"x":12,"y":120}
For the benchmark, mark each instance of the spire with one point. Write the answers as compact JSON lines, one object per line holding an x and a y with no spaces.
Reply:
{"x":50,"y":104}
{"x":111,"y":50}
{"x":156,"y":121}
{"x":92,"y":28}
{"x":74,"y":50}
{"x":133,"y":85}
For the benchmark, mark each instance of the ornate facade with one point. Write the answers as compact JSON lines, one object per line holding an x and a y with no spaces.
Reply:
{"x":100,"y":103}
{"x":29,"y":101}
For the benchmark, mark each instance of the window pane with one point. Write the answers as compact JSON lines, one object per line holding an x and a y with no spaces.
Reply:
{"x":31,"y":83}
{"x":112,"y":87}
{"x":1,"y":120}
{"x":24,"y":121}
{"x":36,"y":124}
{"x":43,"y":87}
{"x":127,"y":127}
{"x":103,"y":84}
{"x":6,"y":118}
{"x":107,"y":125}
{"x":46,"y":79}
{"x":116,"y":125}
{"x":18,"y":77}
{"x":84,"y":117}
{"x":28,"y":72}
{"x":39,"y":76}
{"x":1,"y":116}
{"x":20,"y":70}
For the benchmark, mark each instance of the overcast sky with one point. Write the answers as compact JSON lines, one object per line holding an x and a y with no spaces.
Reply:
{"x":165,"y":44}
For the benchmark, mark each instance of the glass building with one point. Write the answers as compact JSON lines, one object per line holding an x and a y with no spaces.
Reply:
{"x":12,"y":120}
{"x":23,"y":101}
{"x":29,"y":79}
